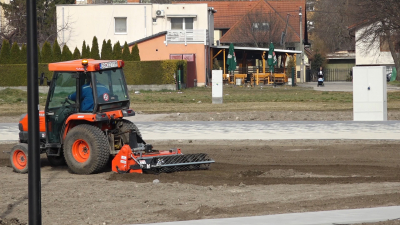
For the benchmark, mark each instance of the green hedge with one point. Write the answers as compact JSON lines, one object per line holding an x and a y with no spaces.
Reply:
{"x":136,"y":73}
{"x":16,"y":74}
{"x":153,"y":72}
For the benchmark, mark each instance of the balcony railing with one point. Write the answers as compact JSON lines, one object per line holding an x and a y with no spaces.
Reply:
{"x":109,"y":1}
{"x":187,"y":36}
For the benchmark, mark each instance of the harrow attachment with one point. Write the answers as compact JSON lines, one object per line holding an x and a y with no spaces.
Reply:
{"x":145,"y":159}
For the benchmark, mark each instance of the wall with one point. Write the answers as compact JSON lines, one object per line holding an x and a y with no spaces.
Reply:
{"x":340,"y":64}
{"x":371,"y":55}
{"x":85,"y":21}
{"x":200,"y":21}
{"x":155,"y":49}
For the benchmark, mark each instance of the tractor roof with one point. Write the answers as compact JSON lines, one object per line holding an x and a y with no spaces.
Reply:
{"x":93,"y":65}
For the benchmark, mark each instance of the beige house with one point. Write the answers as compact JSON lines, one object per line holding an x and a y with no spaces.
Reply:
{"x":2,"y":19}
{"x":372,"y":53}
{"x":129,"y":22}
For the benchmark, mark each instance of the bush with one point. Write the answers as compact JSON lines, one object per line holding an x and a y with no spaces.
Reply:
{"x":5,"y":52}
{"x":117,"y":51}
{"x":47,"y":55}
{"x":77,"y":54}
{"x":135,"y":56}
{"x":154,"y":72}
{"x":24,"y":53}
{"x":291,"y":64}
{"x":66,"y":54}
{"x":136,"y":73}
{"x":15,"y":55}
{"x":56,"y":51}
{"x":85,"y":53}
{"x":106,"y":50}
{"x":16,"y":74}
{"x":94,"y":52}
{"x":126,"y":54}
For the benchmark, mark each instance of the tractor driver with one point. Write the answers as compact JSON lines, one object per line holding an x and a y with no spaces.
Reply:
{"x":86,"y":96}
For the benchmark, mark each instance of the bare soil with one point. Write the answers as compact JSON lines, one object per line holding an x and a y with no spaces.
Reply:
{"x":249,"y":178}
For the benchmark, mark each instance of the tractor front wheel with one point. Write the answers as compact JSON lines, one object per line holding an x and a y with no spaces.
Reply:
{"x":86,"y":149}
{"x":19,"y":158}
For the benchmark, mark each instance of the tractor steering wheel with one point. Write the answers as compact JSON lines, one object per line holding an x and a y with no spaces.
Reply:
{"x":66,"y":101}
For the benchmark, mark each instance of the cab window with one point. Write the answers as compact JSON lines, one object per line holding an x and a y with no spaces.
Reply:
{"x":63,"y":85}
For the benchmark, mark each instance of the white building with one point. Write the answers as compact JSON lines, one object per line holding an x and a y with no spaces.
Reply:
{"x":129,"y":22}
{"x":371,"y":53}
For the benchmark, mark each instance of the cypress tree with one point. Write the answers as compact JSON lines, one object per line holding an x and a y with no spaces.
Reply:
{"x":88,"y":51}
{"x":38,"y":55}
{"x":23,"y":54}
{"x":15,"y":54}
{"x":66,"y":54}
{"x":103,"y":49}
{"x":117,"y":51}
{"x":109,"y":50}
{"x":47,"y":55}
{"x":84,"y":52}
{"x":126,"y":54}
{"x":5,"y":52}
{"x":56,"y":51}
{"x":135,"y":53}
{"x":94,"y":53}
{"x":77,"y":54}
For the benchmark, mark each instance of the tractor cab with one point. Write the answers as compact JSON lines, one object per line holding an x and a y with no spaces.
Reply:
{"x":87,"y":87}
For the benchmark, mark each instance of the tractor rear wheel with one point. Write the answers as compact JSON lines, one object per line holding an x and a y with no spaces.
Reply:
{"x":19,"y":158}
{"x":86,"y":149}
{"x":128,"y":125}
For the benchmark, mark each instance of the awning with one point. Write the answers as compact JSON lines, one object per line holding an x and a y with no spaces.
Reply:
{"x":182,"y":15}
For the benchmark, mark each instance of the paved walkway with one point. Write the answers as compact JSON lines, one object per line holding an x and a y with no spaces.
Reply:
{"x":349,"y":216}
{"x":253,"y":130}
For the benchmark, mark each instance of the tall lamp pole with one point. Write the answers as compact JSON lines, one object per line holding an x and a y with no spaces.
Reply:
{"x":301,"y":46}
{"x":34,"y":184}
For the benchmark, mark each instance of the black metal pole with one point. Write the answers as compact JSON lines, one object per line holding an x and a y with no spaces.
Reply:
{"x":34,"y":184}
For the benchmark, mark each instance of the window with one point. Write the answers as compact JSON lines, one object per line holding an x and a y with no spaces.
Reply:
{"x":181,"y":23}
{"x":260,"y":26}
{"x":64,"y":85}
{"x":120,"y":25}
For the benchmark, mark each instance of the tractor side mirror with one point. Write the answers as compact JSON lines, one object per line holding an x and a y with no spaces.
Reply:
{"x":41,"y":79}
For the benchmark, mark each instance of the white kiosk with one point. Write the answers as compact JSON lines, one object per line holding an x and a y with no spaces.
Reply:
{"x":369,"y":93}
{"x":217,"y":86}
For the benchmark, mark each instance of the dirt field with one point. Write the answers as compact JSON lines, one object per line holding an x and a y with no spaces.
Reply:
{"x":249,"y":178}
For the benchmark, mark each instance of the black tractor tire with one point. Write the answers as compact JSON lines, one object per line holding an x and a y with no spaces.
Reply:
{"x":55,"y":161}
{"x":19,"y":158}
{"x":86,"y":149}
{"x":128,"y":125}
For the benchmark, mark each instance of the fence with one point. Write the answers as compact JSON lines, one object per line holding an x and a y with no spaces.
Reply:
{"x":330,"y":75}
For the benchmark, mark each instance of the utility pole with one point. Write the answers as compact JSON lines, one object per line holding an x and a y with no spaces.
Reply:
{"x":34,"y":184}
{"x":301,"y":47}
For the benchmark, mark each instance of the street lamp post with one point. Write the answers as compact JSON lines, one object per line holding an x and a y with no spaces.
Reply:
{"x":301,"y":47}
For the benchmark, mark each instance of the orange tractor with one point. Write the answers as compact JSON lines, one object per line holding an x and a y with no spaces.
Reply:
{"x":85,"y":135}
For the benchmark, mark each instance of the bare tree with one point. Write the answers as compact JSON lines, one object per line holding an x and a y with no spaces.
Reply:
{"x":259,"y":29}
{"x":14,"y":29}
{"x":330,"y":31}
{"x":380,"y":21}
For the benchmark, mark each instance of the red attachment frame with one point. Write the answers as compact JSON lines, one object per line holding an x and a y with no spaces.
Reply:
{"x":127,"y":162}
